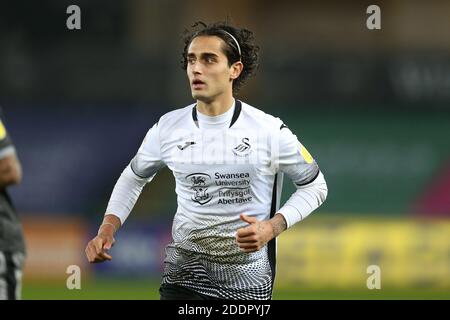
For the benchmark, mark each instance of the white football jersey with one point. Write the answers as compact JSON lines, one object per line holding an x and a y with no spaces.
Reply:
{"x":223,"y":166}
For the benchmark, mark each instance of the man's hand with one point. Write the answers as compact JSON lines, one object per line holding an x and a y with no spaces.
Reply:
{"x":10,"y":171}
{"x":97,"y":248}
{"x":255,"y":236}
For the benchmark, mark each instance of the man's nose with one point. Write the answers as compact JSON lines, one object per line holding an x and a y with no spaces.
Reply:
{"x":196,"y":68}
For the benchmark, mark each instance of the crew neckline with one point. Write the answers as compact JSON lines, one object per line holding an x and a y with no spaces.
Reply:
{"x":218,"y":121}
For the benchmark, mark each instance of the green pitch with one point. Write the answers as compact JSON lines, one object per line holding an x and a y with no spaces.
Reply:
{"x":111,"y":289}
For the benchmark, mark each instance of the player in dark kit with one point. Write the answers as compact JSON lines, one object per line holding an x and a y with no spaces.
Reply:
{"x":12,"y":244}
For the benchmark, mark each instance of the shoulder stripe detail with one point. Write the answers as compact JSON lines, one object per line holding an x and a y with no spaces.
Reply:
{"x":305,"y":183}
{"x":194,"y":115}
{"x":138,"y":175}
{"x":237,"y":112}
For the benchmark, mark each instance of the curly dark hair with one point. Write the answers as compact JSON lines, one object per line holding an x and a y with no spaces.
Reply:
{"x":249,"y":51}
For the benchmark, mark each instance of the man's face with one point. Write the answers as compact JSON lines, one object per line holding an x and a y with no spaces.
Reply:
{"x":207,"y":68}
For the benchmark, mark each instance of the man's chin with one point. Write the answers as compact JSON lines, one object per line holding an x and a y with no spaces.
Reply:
{"x":201,"y":97}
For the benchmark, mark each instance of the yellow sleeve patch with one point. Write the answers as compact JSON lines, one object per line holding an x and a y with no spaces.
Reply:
{"x":306,"y":155}
{"x":2,"y":131}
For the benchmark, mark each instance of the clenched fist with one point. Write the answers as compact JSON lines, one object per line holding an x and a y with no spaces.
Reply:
{"x":255,"y":236}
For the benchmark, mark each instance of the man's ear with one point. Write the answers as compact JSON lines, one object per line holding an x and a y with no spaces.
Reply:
{"x":236,"y":70}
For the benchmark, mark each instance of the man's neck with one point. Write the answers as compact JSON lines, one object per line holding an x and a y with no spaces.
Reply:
{"x":215,"y":107}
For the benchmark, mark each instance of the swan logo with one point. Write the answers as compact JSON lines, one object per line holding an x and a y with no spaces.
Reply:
{"x":243,"y":149}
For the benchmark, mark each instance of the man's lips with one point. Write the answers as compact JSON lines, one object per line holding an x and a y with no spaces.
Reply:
{"x":198,"y":84}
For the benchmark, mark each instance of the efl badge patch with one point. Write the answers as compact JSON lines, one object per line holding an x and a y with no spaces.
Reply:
{"x":306,"y":155}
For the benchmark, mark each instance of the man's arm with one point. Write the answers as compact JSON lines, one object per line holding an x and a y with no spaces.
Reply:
{"x":126,"y":192}
{"x":10,"y":171}
{"x":123,"y":198}
{"x":294,"y":160}
{"x":278,"y":224}
{"x":304,"y":201}
{"x":298,"y":164}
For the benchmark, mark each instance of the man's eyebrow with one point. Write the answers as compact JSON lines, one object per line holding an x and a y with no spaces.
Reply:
{"x":209,"y":54}
{"x":203,"y":55}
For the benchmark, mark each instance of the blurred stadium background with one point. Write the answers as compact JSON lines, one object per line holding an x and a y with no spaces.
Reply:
{"x":373,"y":107}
